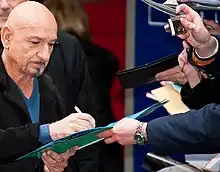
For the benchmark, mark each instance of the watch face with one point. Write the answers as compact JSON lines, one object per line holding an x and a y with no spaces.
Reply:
{"x":139,"y":138}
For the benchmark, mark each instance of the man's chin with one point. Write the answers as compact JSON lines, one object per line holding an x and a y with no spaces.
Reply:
{"x":37,"y":73}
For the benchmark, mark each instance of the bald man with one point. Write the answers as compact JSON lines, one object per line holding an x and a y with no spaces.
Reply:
{"x":29,"y":103}
{"x":69,"y":72}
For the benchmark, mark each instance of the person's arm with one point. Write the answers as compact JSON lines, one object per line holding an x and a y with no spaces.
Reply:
{"x":204,"y":93}
{"x":196,"y":131}
{"x":205,"y":47}
{"x":15,"y":142}
{"x":191,"y":132}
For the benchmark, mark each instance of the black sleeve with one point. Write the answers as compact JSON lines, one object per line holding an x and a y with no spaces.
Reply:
{"x":189,"y":133}
{"x":15,"y":142}
{"x":206,"y":92}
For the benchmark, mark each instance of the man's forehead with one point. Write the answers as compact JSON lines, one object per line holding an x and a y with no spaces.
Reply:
{"x":35,"y":29}
{"x":37,"y":32}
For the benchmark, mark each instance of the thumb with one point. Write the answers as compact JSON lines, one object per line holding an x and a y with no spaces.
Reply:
{"x":71,"y":152}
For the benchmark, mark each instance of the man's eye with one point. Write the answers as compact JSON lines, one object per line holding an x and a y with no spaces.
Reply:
{"x":51,"y":44}
{"x":35,"y":42}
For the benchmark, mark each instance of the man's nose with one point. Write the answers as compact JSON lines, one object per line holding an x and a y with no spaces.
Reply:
{"x":44,"y":53}
{"x":4,"y":4}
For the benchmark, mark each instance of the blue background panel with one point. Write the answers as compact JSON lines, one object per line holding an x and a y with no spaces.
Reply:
{"x":151,"y":43}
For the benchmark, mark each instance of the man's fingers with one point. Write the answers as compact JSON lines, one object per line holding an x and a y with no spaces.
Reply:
{"x":51,"y":165}
{"x":182,"y":58}
{"x":84,"y":123}
{"x":106,"y":134}
{"x":173,"y":77}
{"x":70,"y":152}
{"x":185,"y":45}
{"x":184,"y":36}
{"x":77,"y":128}
{"x":54,"y":156}
{"x":88,"y":118}
{"x":167,"y":72}
{"x":111,"y":139}
{"x":48,"y":159}
{"x":187,"y":24}
{"x":183,"y":7}
{"x":46,"y":169}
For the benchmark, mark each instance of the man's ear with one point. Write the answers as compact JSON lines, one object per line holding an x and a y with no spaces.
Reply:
{"x":6,"y":36}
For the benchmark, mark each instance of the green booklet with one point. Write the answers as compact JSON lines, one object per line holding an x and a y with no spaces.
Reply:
{"x":86,"y":137}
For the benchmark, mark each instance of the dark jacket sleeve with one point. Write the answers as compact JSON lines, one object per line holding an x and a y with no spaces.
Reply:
{"x":190,"y":133}
{"x":15,"y":142}
{"x":206,"y":92}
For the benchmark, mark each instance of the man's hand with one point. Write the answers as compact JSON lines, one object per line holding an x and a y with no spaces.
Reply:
{"x":123,"y":132}
{"x":193,"y":76}
{"x":211,"y":25}
{"x":197,"y":36}
{"x":57,"y":162}
{"x":73,"y":123}
{"x":174,"y":74}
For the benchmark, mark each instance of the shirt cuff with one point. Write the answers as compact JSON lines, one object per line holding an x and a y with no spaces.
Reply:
{"x":45,"y":134}
{"x":216,"y":50}
{"x":144,"y":131}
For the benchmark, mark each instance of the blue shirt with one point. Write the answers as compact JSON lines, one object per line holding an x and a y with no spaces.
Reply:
{"x":33,"y":104}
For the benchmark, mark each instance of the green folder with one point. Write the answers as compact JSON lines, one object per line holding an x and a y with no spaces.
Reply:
{"x":84,"y":138}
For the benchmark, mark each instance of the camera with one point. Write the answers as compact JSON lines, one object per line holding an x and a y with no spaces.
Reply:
{"x":174,"y":26}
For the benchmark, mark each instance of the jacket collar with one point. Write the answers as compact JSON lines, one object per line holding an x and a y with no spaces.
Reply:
{"x":12,"y":93}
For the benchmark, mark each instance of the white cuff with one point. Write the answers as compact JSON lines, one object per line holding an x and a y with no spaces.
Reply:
{"x":144,"y":130}
{"x":216,"y":50}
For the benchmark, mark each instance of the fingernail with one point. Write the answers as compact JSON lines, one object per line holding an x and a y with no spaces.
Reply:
{"x":48,"y":152}
{"x":44,"y":154}
{"x":73,"y":149}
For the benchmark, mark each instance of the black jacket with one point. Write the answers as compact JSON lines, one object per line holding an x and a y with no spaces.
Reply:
{"x":69,"y":72}
{"x":18,"y":135}
{"x":207,"y":91}
{"x":196,"y":131}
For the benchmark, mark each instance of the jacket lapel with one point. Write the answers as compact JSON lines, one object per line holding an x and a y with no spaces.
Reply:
{"x":47,"y":91}
{"x":47,"y":100}
{"x":13,"y":94}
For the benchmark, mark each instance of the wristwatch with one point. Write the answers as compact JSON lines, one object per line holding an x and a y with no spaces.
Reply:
{"x":138,"y":136}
